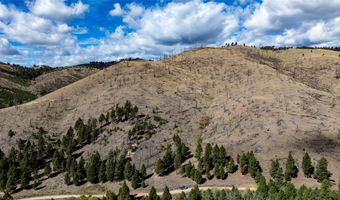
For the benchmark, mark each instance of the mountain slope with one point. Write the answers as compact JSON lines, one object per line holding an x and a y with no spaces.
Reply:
{"x":244,"y":98}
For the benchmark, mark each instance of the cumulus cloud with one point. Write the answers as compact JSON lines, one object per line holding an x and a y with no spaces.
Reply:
{"x":117,"y":11}
{"x":57,"y":9}
{"x":295,"y":22}
{"x":6,"y":49}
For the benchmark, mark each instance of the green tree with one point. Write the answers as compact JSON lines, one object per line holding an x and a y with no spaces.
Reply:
{"x":152,"y":194}
{"x":101,"y":119}
{"x":307,"y":166}
{"x":110,"y":168}
{"x":119,"y":170}
{"x":124,"y":192}
{"x":231,"y":167}
{"x":208,"y":157}
{"x":143,"y":171}
{"x":195,"y":194}
{"x":102,"y":172}
{"x":181,"y":196}
{"x":67,"y":178}
{"x":166,"y":194}
{"x":244,"y":164}
{"x":198,"y":176}
{"x":3,"y":179}
{"x":262,"y":189}
{"x":135,"y":180}
{"x":25,"y":178}
{"x":128,"y":172}
{"x":159,"y":166}
{"x":11,"y":178}
{"x":321,"y":172}
{"x":291,"y":169}
{"x":81,"y":171}
{"x":199,"y":150}
{"x":47,"y":169}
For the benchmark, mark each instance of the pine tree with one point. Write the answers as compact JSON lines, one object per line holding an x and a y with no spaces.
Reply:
{"x":208,"y":157}
{"x":159,"y":166}
{"x":47,"y":169}
{"x":81,"y":171}
{"x":119,"y":170}
{"x":177,"y":161}
{"x":307,"y":166}
{"x":67,"y":178}
{"x":128,"y":173}
{"x":262,"y":189}
{"x":198,"y":176}
{"x":11,"y":178}
{"x":24,"y":179}
{"x":102,"y":172}
{"x":244,"y":164}
{"x":166,"y":194}
{"x":152,"y":194}
{"x":135,"y":180}
{"x":3,"y":179}
{"x":101,"y":119}
{"x":231,"y":167}
{"x":321,"y":172}
{"x":124,"y":192}
{"x":198,"y":152}
{"x":291,"y":169}
{"x":143,"y":172}
{"x":92,"y":168}
{"x":110,"y":168}
{"x":181,"y":196}
{"x":195,"y":194}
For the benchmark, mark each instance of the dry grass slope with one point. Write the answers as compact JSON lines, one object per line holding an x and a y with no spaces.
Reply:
{"x":244,"y":98}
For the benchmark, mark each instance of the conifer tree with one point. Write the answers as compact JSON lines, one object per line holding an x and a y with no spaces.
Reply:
{"x":135,"y":179}
{"x":81,"y":171}
{"x":24,"y":179}
{"x":166,"y":194}
{"x":291,"y":169}
{"x":321,"y":172}
{"x":3,"y":179}
{"x":231,"y":167}
{"x":102,"y":172}
{"x":101,"y":119}
{"x":67,"y":178}
{"x":110,"y":168}
{"x":195,"y":194}
{"x":208,"y":157}
{"x":198,"y":176}
{"x":198,"y":152}
{"x":11,"y":178}
{"x":307,"y":166}
{"x":143,"y":172}
{"x":128,"y":172}
{"x":181,"y":196}
{"x":244,"y":164}
{"x":152,"y":194}
{"x":124,"y":192}
{"x":119,"y":170}
{"x":47,"y":169}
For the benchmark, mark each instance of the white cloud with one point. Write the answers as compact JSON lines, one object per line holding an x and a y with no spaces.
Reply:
{"x":6,"y":49}
{"x":57,"y":9}
{"x":293,"y":23}
{"x":117,"y":11}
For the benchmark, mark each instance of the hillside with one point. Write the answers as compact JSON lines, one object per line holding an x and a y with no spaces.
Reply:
{"x":19,"y":85}
{"x":270,"y":102}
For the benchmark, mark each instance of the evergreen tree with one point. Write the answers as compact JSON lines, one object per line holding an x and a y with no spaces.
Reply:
{"x":119,"y":170}
{"x":291,"y":169}
{"x":166,"y":194}
{"x":143,"y":171}
{"x":198,"y":176}
{"x":111,"y":196}
{"x":321,"y":172}
{"x":3,"y":179}
{"x":244,"y":164}
{"x":152,"y":194}
{"x":208,"y":157}
{"x":67,"y":178}
{"x":124,"y":192}
{"x":102,"y":172}
{"x":195,"y":194}
{"x":198,"y":152}
{"x":261,"y":191}
{"x":135,"y":180}
{"x":181,"y":196}
{"x":81,"y":171}
{"x":177,"y":161}
{"x":128,"y":172}
{"x":231,"y":167}
{"x":11,"y":178}
{"x":110,"y":168}
{"x":159,"y":166}
{"x":307,"y":166}
{"x":101,"y":119}
{"x":25,"y":178}
{"x":92,"y":168}
{"x":47,"y":169}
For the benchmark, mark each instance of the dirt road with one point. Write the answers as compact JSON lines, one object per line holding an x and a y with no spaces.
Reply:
{"x":176,"y":191}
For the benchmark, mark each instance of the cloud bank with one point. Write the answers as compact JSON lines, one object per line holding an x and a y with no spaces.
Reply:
{"x":47,"y":31}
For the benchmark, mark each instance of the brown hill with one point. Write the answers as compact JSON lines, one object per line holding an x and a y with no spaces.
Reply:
{"x":270,"y":102}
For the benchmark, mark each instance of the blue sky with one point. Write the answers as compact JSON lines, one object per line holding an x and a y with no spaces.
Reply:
{"x":68,"y":32}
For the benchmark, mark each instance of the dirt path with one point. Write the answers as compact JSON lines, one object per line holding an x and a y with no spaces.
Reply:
{"x":176,"y":191}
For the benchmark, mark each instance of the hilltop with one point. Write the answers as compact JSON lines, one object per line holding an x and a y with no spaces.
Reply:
{"x":270,"y":102}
